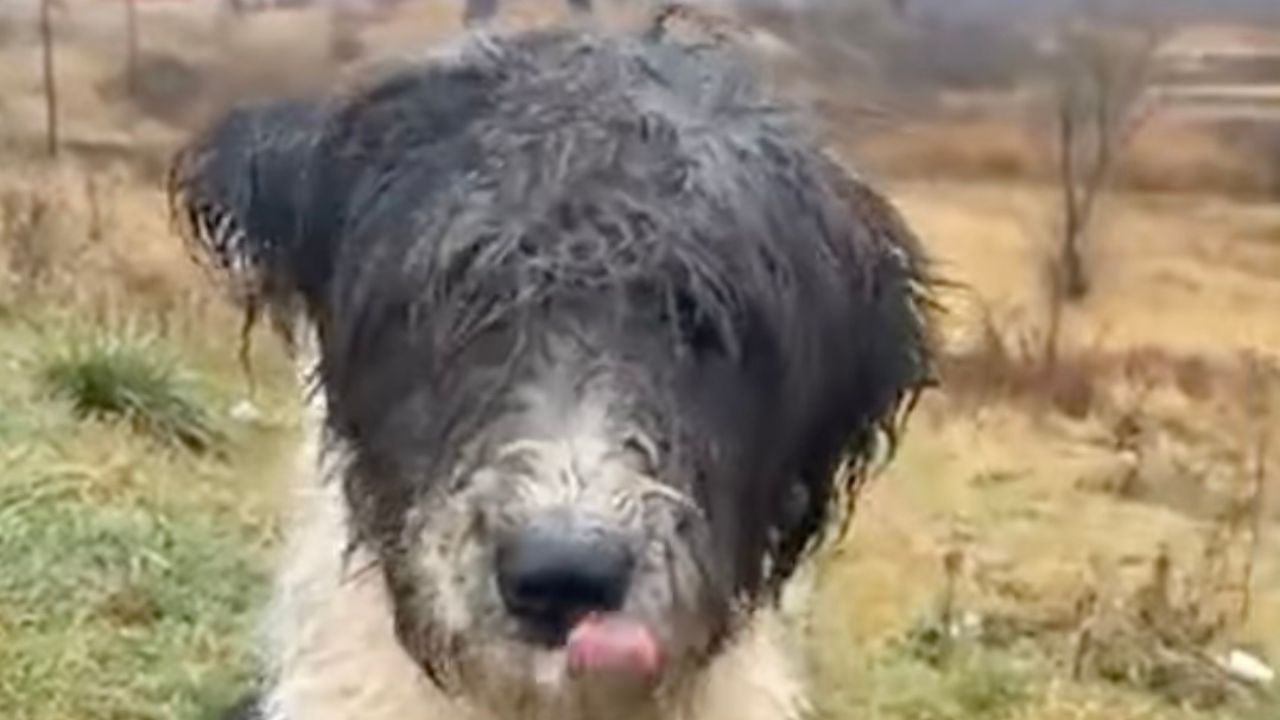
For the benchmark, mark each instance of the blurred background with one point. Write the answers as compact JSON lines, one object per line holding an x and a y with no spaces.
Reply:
{"x":1082,"y":522}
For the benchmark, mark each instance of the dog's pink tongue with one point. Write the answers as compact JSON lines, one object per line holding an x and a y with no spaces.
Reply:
{"x":610,"y":644}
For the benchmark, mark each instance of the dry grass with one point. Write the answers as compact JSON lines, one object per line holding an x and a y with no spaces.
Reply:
{"x":1054,"y":479}
{"x":1191,"y":274}
{"x":1181,"y":157}
{"x":71,"y":222}
{"x":1165,"y":157}
{"x":989,"y":149}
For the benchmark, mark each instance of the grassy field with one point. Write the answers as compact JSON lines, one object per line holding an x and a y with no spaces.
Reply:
{"x":1061,"y":543}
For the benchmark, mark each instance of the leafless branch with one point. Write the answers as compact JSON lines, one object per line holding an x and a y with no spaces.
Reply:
{"x":1098,"y":86}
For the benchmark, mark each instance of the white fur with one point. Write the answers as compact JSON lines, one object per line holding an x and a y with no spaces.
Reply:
{"x":333,"y":654}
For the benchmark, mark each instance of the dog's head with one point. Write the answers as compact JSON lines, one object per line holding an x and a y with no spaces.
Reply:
{"x":603,"y":337}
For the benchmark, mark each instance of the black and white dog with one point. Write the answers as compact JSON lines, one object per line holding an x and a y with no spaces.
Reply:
{"x":602,"y":342}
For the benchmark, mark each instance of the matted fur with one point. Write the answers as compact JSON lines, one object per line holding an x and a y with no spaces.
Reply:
{"x":601,"y":286}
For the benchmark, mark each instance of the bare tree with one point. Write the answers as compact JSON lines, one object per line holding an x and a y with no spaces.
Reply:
{"x":50,"y":77}
{"x":1097,"y":90}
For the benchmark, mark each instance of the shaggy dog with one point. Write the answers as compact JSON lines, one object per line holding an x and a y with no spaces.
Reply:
{"x":601,"y":342}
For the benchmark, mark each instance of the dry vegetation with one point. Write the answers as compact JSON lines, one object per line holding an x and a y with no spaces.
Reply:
{"x":1083,"y":533}
{"x":1167,"y":157}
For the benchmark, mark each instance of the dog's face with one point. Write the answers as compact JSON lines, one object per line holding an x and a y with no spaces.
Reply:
{"x":555,"y":566}
{"x":575,"y":550}
{"x":604,"y":337}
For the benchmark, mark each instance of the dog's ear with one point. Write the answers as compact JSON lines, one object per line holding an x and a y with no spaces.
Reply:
{"x":873,"y":386}
{"x":238,"y":193}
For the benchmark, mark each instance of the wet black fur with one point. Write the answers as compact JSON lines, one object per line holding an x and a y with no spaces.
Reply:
{"x":765,"y":309}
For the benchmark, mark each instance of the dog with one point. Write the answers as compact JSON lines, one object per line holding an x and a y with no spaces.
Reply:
{"x":600,"y":344}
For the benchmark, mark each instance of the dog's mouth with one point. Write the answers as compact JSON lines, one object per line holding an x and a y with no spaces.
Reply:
{"x":610,"y":645}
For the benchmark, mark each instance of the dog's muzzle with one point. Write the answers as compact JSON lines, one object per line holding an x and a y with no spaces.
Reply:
{"x":564,"y":581}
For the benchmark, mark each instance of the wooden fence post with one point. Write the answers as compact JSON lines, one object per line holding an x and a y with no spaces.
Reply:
{"x":50,"y":79}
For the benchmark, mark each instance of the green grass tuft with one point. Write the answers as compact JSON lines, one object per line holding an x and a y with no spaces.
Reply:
{"x":118,"y":377}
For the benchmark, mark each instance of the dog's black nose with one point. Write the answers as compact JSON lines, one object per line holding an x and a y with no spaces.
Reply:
{"x":551,"y":576}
